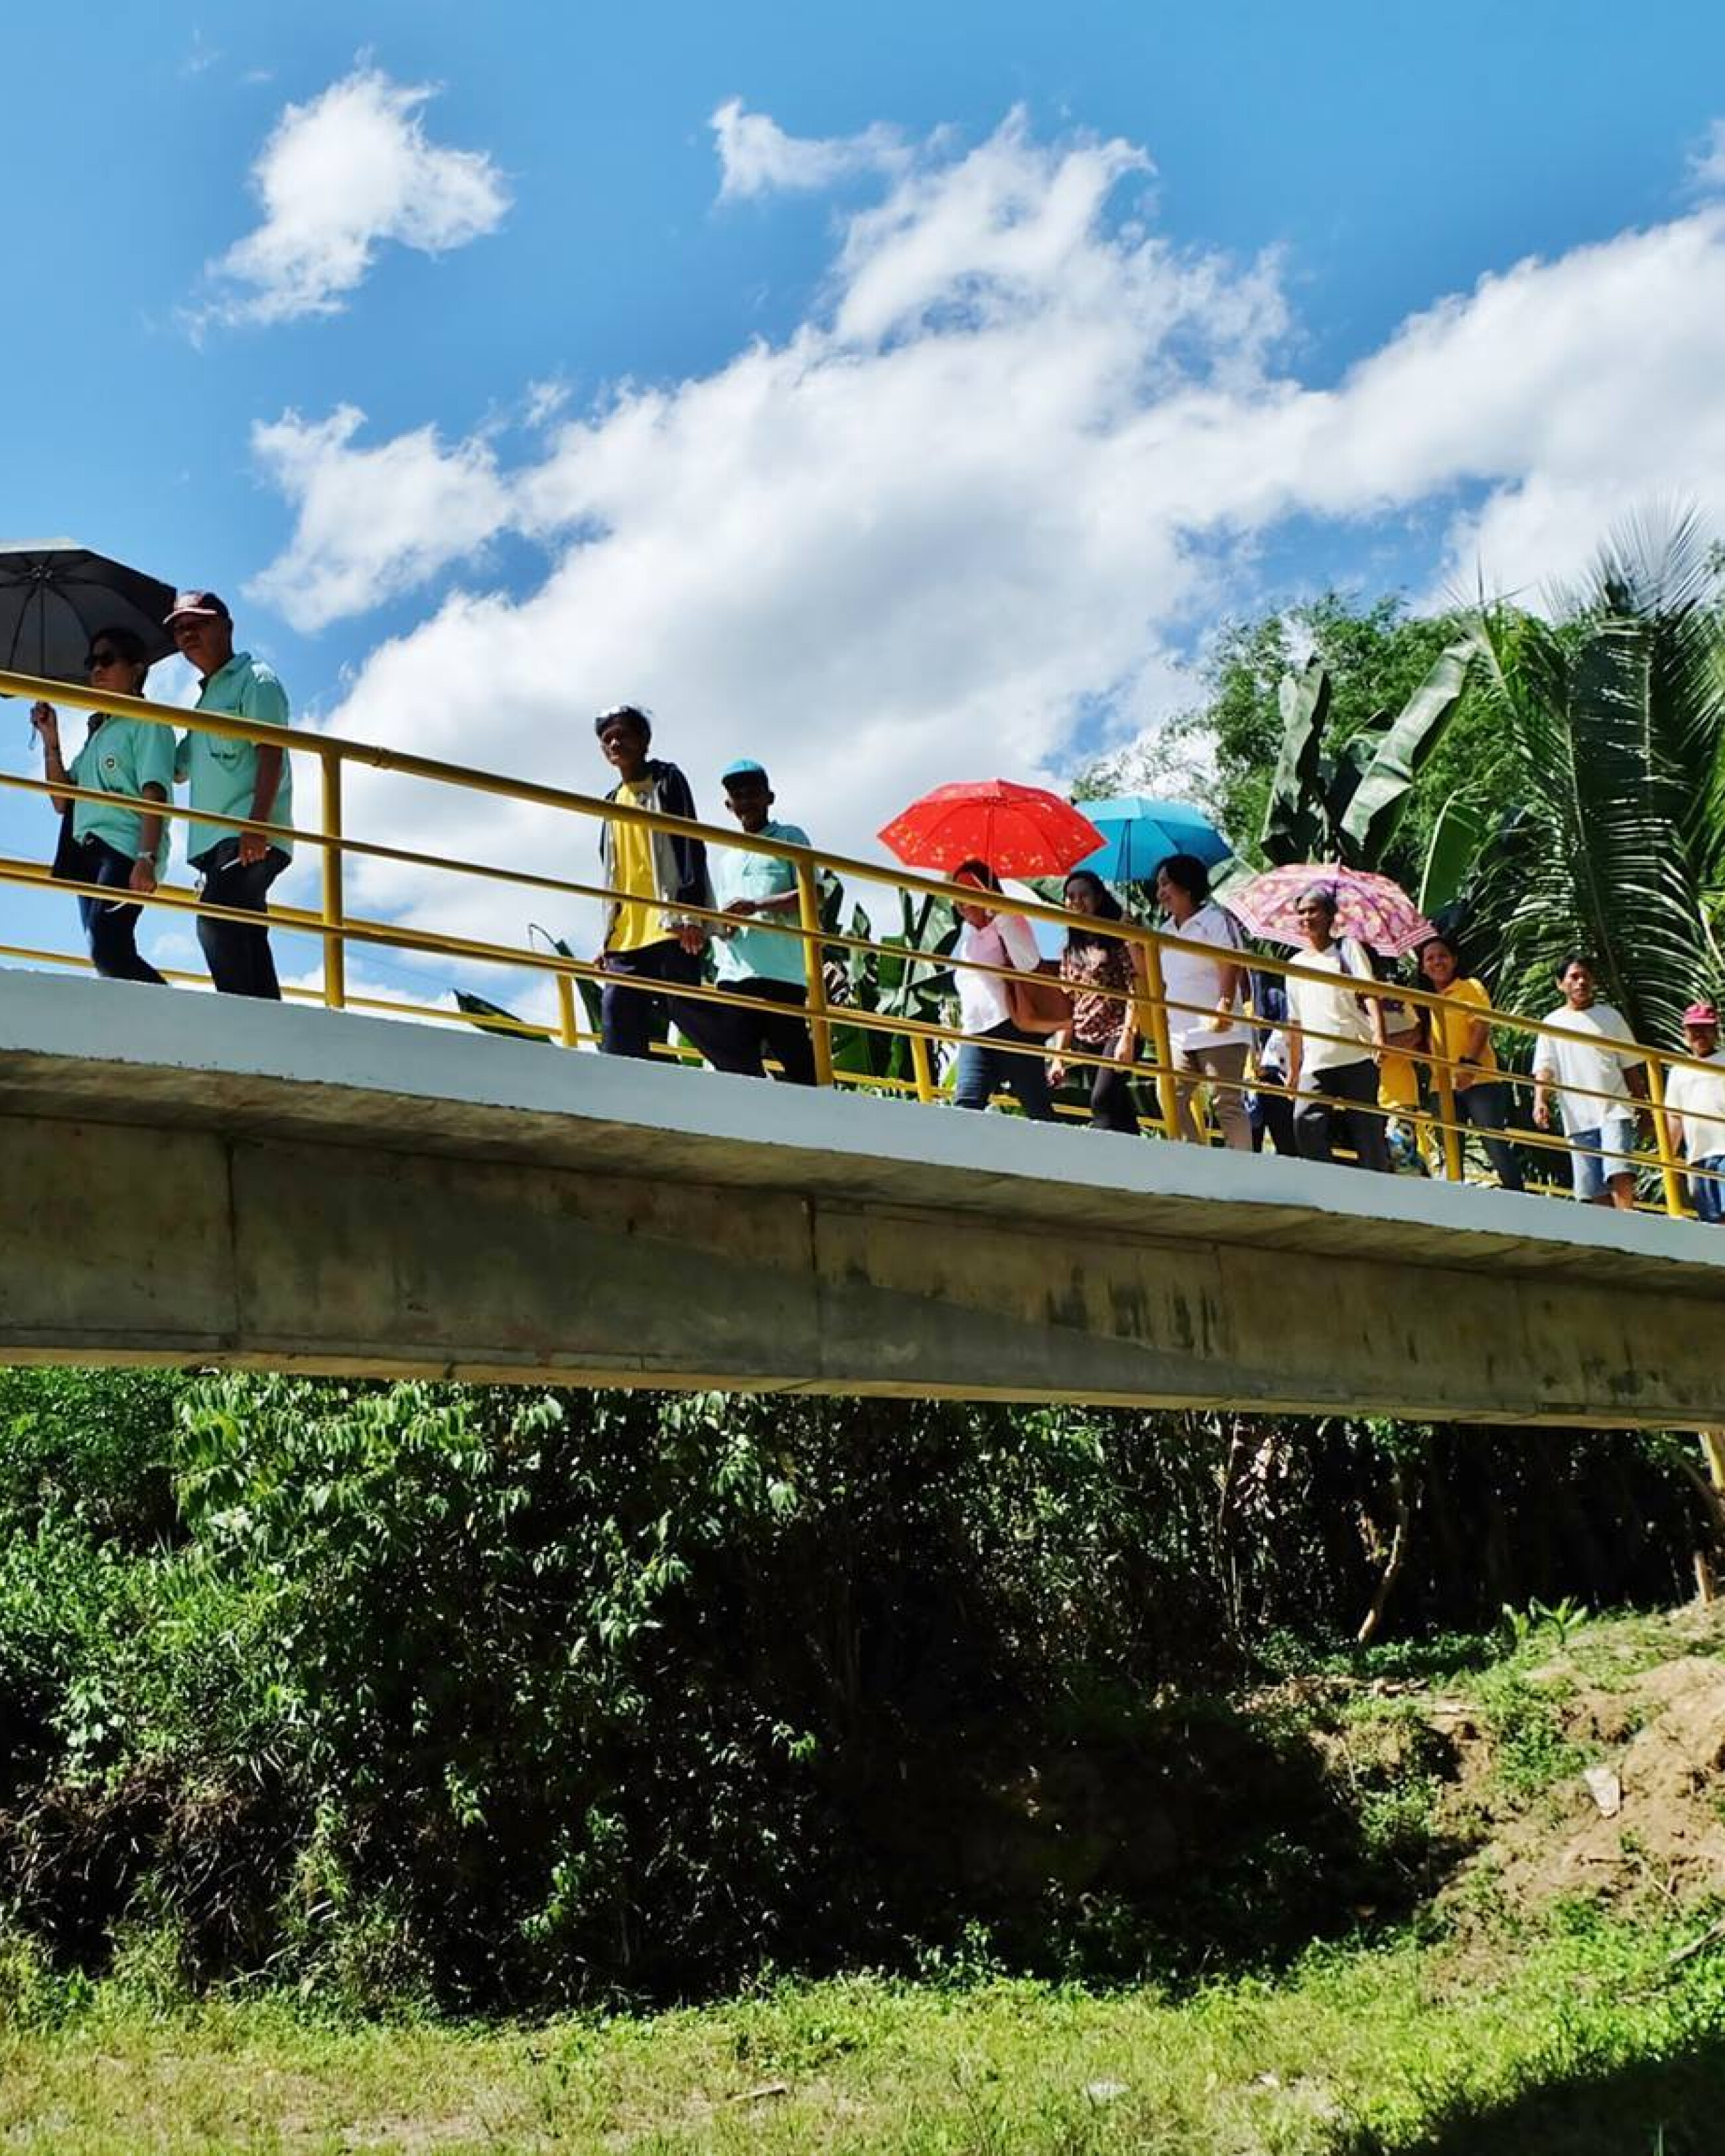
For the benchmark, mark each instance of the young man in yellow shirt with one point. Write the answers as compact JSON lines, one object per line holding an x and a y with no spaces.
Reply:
{"x":653,"y":876}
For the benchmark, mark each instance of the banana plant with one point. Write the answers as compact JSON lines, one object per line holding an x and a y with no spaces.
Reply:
{"x":895,"y":979}
{"x":1345,"y":806}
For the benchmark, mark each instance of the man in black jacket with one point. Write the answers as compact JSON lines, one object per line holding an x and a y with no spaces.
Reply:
{"x":653,"y":876}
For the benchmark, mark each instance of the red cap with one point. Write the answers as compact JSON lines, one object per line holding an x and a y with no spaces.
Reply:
{"x":202,"y":606}
{"x":1700,"y":1015}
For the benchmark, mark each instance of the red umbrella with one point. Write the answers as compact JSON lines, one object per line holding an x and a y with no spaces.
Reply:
{"x":1018,"y":831}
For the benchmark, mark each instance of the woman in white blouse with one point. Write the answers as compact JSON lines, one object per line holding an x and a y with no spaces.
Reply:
{"x":991,"y":1060}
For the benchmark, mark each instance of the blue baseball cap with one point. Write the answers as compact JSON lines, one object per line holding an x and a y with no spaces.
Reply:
{"x":744,"y":767}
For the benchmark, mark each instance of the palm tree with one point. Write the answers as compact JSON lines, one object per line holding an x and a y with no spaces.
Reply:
{"x":1615,"y":717}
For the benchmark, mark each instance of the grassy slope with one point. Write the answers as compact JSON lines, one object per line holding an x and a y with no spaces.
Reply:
{"x":1561,"y":2028}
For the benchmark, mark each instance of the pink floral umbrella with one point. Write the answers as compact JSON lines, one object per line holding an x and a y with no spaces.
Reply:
{"x":1371,"y":908}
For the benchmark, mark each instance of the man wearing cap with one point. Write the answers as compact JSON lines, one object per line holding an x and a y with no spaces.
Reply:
{"x":1696,"y":1099}
{"x":230,"y":777}
{"x":756,"y":958}
{"x":653,"y":876}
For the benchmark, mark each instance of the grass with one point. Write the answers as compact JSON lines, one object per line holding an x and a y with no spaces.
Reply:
{"x":1480,"y":2028}
{"x":1582,"y":2039}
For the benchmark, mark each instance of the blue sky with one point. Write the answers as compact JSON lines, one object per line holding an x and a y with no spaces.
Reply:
{"x":945,"y":395}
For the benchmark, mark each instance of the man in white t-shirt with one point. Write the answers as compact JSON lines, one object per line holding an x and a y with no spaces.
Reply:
{"x":1696,"y":1101}
{"x":1206,"y":1033}
{"x":1334,"y":1034}
{"x":1598,"y":1083}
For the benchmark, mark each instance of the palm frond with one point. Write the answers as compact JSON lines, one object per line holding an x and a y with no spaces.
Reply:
{"x":1617,"y":720}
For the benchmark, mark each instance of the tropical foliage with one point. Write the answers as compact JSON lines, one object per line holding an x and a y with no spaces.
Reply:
{"x":1614,"y":719}
{"x":1345,"y":806}
{"x":506,"y":1696}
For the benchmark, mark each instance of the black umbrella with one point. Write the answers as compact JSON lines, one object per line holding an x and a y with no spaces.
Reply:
{"x":55,"y":596}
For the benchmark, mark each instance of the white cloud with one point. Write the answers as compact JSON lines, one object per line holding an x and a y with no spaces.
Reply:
{"x":370,"y":522}
{"x":1707,"y":167}
{"x":338,"y":179}
{"x":757,"y":157}
{"x":968,"y":509}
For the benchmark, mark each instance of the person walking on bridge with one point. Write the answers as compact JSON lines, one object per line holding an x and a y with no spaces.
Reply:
{"x":1696,"y":1101}
{"x":1000,"y":1056}
{"x":1210,"y":1037}
{"x":653,"y":876}
{"x":755,"y":957}
{"x":122,"y":847}
{"x":1597,"y":1072}
{"x":1459,"y":1036}
{"x":1333,"y":1036}
{"x":230,"y":777}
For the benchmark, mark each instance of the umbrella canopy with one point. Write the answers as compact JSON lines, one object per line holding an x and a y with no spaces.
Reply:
{"x":1018,"y":831}
{"x":1141,"y":834}
{"x":55,"y":595}
{"x":1370,"y":908}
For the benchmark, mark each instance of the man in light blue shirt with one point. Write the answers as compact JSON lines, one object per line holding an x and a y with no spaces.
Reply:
{"x":233,"y":778}
{"x":756,"y":958}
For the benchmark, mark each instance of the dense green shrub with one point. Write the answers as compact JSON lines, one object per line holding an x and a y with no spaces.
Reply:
{"x":510,"y":1696}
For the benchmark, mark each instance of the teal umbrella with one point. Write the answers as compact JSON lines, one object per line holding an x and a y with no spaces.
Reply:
{"x":1141,"y":834}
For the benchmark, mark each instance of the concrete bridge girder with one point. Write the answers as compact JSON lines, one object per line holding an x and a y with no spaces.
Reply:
{"x":188,"y":1180}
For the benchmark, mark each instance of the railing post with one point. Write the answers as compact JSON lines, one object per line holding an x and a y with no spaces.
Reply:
{"x":1669,"y":1171}
{"x":335,"y":950}
{"x":1161,"y":1040}
{"x":568,"y":1032}
{"x":1446,"y":1080}
{"x":808,"y":914}
{"x":921,"y":1066}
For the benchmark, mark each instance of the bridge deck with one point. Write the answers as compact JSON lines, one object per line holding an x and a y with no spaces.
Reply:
{"x":862,"y":1244}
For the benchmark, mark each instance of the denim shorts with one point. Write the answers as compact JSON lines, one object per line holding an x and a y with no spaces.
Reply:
{"x":1596,"y":1156}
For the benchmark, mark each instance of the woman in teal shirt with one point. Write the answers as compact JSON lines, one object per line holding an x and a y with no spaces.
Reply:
{"x":115,"y":845}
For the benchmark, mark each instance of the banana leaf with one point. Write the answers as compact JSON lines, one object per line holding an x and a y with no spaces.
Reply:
{"x":1292,"y":830}
{"x":1453,"y":847}
{"x":1368,"y":824}
{"x":492,"y":1018}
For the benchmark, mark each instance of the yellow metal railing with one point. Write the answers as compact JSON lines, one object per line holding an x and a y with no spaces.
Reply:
{"x":337,"y":928}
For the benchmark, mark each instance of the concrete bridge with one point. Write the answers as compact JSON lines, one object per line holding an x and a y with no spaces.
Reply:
{"x":185,"y":1179}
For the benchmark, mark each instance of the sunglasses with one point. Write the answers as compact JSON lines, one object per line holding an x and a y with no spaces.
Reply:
{"x":95,"y":659}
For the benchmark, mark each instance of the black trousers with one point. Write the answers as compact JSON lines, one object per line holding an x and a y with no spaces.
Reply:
{"x":1486,"y":1105}
{"x":632,"y":1019}
{"x":747,"y":1039}
{"x":238,"y":955}
{"x":1273,"y":1116}
{"x":1348,"y":1088}
{"x":109,"y":928}
{"x":1112,"y":1105}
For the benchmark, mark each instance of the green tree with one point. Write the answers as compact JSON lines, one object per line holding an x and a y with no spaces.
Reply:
{"x":1223,"y":752}
{"x":1613,"y":719}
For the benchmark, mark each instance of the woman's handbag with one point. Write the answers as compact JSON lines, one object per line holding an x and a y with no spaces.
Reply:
{"x":1038,"y":1003}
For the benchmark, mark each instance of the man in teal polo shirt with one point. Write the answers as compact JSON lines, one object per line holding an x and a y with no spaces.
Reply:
{"x":233,"y":778}
{"x":756,"y":958}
